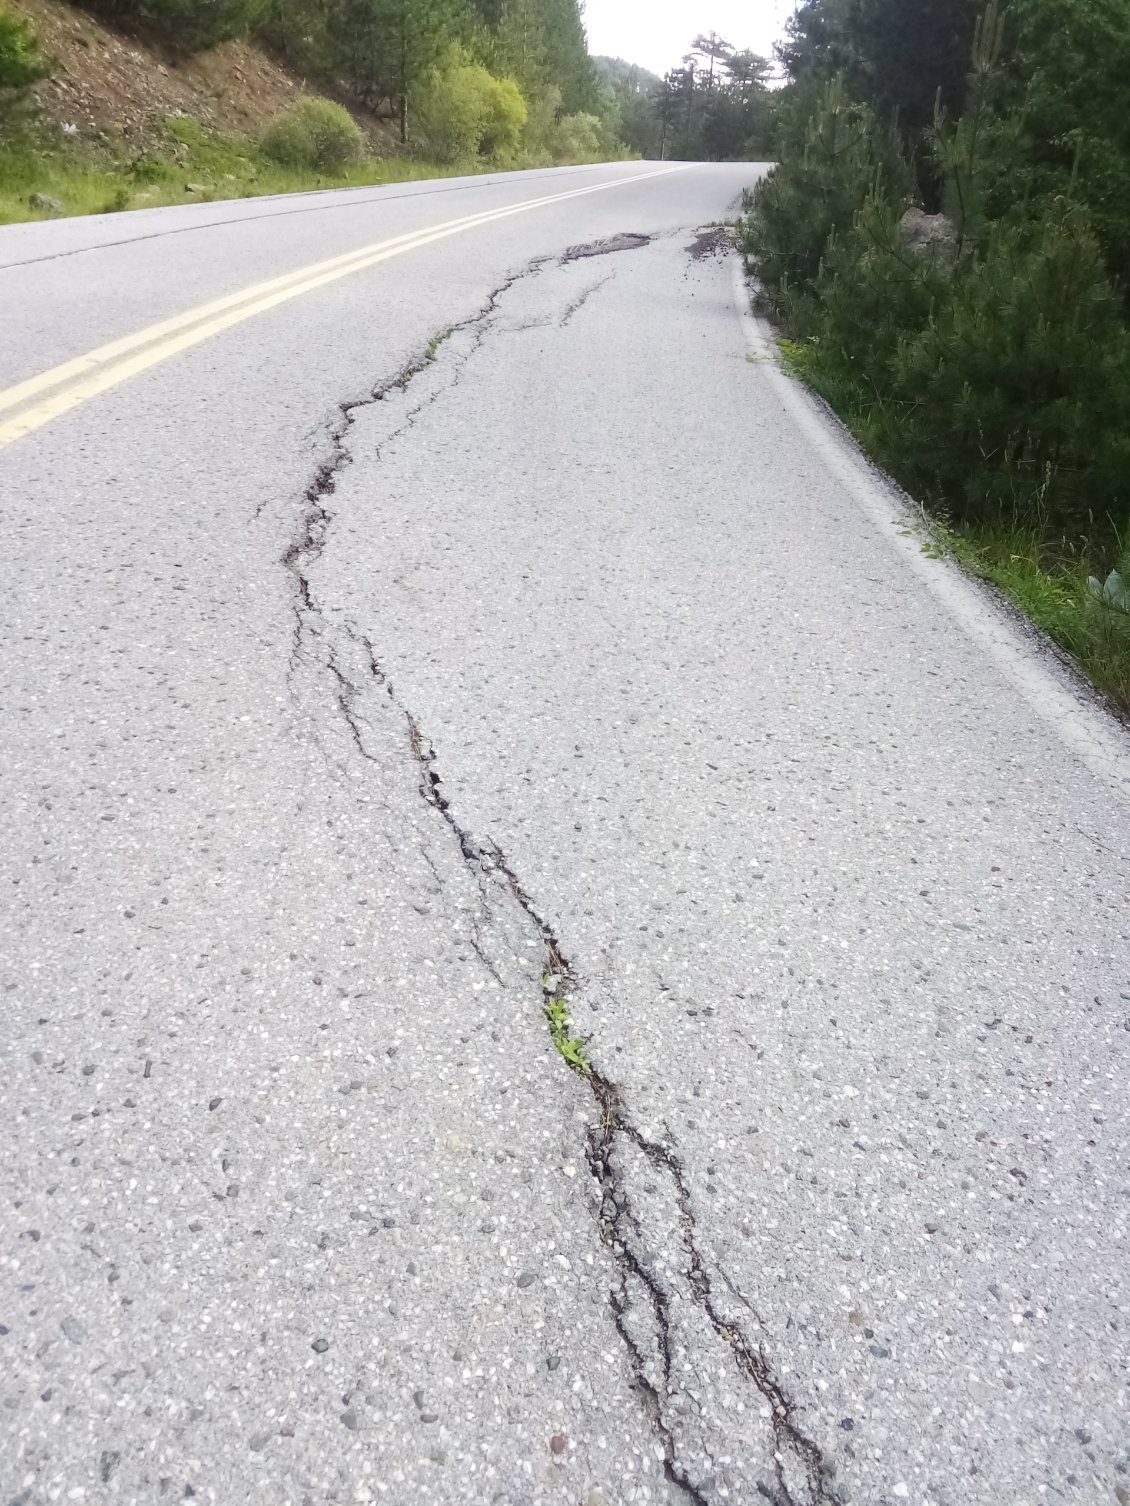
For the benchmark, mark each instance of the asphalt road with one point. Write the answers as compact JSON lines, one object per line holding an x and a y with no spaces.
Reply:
{"x":404,"y":644}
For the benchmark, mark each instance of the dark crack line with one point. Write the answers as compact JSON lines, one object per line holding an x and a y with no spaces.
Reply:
{"x":613,"y":1128}
{"x":578,"y":304}
{"x":619,"y":1227}
{"x":431,"y":862}
{"x":312,"y":637}
{"x":739,"y":1296}
{"x":491,"y":869}
{"x":648,"y":1393}
{"x":317,"y":517}
{"x":347,"y":694}
{"x":480,"y":952}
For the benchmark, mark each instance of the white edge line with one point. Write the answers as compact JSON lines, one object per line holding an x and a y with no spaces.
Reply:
{"x":1076,"y":717}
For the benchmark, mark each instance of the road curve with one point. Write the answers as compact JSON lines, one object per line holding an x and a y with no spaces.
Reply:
{"x":428,"y":603}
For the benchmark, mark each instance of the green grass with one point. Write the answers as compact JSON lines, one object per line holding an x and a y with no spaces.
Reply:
{"x":1043,"y":574}
{"x":1051,"y":586}
{"x":191,"y":165}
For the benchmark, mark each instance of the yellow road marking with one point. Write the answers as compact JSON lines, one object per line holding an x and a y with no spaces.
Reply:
{"x":77,"y":381}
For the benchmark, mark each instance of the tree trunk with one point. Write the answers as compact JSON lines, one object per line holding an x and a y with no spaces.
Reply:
{"x":402,"y":103}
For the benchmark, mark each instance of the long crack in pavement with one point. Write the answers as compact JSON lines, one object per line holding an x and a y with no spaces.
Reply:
{"x":642,"y":1301}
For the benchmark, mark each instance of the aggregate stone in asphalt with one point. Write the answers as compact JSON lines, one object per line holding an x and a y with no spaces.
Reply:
{"x":358,"y":706}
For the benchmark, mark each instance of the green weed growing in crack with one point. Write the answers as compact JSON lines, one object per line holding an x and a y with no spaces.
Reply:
{"x":436,"y":341}
{"x":570,"y":1047}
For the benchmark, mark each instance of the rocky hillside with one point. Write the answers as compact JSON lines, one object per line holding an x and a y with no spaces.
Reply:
{"x":105,"y":85}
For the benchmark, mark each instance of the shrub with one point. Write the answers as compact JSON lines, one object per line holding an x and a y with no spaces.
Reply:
{"x":822,"y":182}
{"x":874,"y":289}
{"x":1021,"y":383}
{"x":467,"y":112}
{"x":505,"y":121}
{"x":578,"y":138}
{"x":20,"y":63}
{"x":316,"y":134}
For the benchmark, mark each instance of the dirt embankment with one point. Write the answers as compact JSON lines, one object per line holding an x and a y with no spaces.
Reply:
{"x":106,"y":84}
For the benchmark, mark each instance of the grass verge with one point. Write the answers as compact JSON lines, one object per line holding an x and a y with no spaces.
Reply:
{"x":191,"y":164}
{"x":1046,"y":575}
{"x":1057,"y":591}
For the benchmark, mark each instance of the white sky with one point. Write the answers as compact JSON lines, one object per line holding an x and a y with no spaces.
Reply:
{"x":656,"y":33}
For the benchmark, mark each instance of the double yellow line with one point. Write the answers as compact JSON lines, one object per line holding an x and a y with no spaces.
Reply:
{"x":38,"y":400}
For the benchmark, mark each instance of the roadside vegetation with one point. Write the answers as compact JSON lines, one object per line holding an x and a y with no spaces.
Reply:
{"x":716,"y":105}
{"x":393,"y":89}
{"x":945,"y":245}
{"x":187,"y":162}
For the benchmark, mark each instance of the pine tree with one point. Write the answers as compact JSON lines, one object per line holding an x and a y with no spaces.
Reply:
{"x":384,"y":49}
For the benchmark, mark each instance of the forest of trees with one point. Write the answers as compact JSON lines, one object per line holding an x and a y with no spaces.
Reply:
{"x":946,"y":237}
{"x":716,"y":105}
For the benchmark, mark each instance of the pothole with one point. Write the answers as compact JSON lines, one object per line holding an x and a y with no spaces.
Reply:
{"x":626,"y":242}
{"x":715,"y":240}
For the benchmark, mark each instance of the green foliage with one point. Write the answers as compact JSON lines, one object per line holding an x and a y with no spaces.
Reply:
{"x":616,"y":73}
{"x":717,"y":105}
{"x":578,"y":138}
{"x":542,"y":42}
{"x":396,"y":56}
{"x":317,"y":134}
{"x":634,"y":120}
{"x":872,"y":291}
{"x":385,"y":49}
{"x":826,"y":176}
{"x":1021,"y":382}
{"x":385,"y":53}
{"x":1063,"y":127}
{"x":88,"y":181}
{"x":539,"y":137}
{"x":189,"y":24}
{"x":298,"y":31}
{"x":899,"y":54}
{"x":465,"y":112}
{"x":627,"y":106}
{"x":477,"y":118}
{"x":1053,"y":587}
{"x":571,"y":1047}
{"x":20,"y":62}
{"x":442,"y":68}
{"x":993,"y":379}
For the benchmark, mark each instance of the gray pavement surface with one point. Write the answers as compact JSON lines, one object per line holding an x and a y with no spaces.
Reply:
{"x":350,"y":709}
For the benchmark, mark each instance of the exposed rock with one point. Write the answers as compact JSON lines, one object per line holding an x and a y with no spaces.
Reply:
{"x":47,"y":203}
{"x":927,"y":232}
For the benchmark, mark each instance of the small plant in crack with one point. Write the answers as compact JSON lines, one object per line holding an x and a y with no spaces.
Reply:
{"x":436,"y":341}
{"x":570,"y":1046}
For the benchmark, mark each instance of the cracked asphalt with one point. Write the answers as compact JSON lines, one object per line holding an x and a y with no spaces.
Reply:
{"x":484,"y":629}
